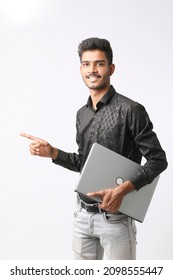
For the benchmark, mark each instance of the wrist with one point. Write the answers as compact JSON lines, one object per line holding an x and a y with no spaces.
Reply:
{"x":54,"y":153}
{"x":126,"y":187}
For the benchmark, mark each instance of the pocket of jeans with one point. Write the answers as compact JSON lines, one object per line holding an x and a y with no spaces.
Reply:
{"x":77,"y":210}
{"x":75,"y":213}
{"x":114,"y":218}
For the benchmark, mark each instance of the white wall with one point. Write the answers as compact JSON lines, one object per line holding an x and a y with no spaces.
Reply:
{"x":40,"y":92}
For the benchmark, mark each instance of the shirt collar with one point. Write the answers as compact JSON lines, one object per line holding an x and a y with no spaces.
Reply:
{"x":104,"y":100}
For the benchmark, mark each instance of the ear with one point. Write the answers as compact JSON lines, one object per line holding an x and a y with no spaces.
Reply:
{"x":112,"y":69}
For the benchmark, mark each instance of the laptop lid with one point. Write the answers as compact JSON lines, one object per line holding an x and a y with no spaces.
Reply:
{"x":106,"y":169}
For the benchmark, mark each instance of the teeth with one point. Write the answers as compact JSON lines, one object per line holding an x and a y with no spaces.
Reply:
{"x":93,"y":77}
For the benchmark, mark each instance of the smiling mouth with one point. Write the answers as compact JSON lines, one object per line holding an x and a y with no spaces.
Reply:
{"x":93,"y":77}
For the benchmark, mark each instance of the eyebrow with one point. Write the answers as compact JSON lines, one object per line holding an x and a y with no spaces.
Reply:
{"x":100,"y":60}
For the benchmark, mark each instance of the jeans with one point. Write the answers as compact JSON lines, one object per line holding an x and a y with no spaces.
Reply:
{"x":95,"y":234}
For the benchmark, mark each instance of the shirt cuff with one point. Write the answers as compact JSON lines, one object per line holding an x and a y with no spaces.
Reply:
{"x":61,"y":158}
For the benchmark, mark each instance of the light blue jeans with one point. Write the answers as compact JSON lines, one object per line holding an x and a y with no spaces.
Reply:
{"x":112,"y":234}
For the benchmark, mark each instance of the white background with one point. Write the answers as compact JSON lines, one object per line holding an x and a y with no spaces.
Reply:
{"x":40,"y":92}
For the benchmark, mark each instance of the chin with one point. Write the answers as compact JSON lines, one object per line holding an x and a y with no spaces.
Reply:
{"x":96,"y":87}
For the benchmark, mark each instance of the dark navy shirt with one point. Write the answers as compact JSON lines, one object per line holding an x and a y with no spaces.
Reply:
{"x":121,"y":125}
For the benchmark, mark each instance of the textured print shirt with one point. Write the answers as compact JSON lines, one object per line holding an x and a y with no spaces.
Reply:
{"x":121,"y":125}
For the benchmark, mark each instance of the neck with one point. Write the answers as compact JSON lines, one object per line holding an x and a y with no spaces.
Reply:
{"x":96,"y":95}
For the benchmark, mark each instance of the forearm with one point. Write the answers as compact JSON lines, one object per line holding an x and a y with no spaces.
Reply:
{"x":156,"y":163}
{"x":125,"y":188}
{"x":71,"y":161}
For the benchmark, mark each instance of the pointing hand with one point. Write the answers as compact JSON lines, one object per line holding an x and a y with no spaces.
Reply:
{"x":40,"y":147}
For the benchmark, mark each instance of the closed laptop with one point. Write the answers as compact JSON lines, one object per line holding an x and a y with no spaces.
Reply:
{"x":106,"y":169}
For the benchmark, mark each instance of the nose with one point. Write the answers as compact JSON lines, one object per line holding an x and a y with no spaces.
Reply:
{"x":92,"y":68}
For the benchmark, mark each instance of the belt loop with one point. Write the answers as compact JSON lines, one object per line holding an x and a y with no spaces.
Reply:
{"x":78,"y":200}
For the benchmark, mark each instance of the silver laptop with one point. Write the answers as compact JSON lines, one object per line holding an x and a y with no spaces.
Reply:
{"x":105,"y":169}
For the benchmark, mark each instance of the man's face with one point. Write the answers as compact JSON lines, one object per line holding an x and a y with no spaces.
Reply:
{"x":95,"y":69}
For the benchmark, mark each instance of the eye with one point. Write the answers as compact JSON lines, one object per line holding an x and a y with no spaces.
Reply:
{"x":100,"y":64}
{"x":85,"y":64}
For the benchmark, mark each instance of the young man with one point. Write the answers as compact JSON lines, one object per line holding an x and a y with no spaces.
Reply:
{"x":121,"y":125}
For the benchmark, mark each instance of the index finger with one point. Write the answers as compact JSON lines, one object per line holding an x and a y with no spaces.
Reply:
{"x":29,"y":136}
{"x":99,"y":194}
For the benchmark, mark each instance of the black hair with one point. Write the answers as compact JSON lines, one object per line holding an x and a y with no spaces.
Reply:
{"x":96,"y":44}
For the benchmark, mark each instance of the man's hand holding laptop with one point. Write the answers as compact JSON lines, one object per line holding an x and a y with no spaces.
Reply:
{"x":112,"y":198}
